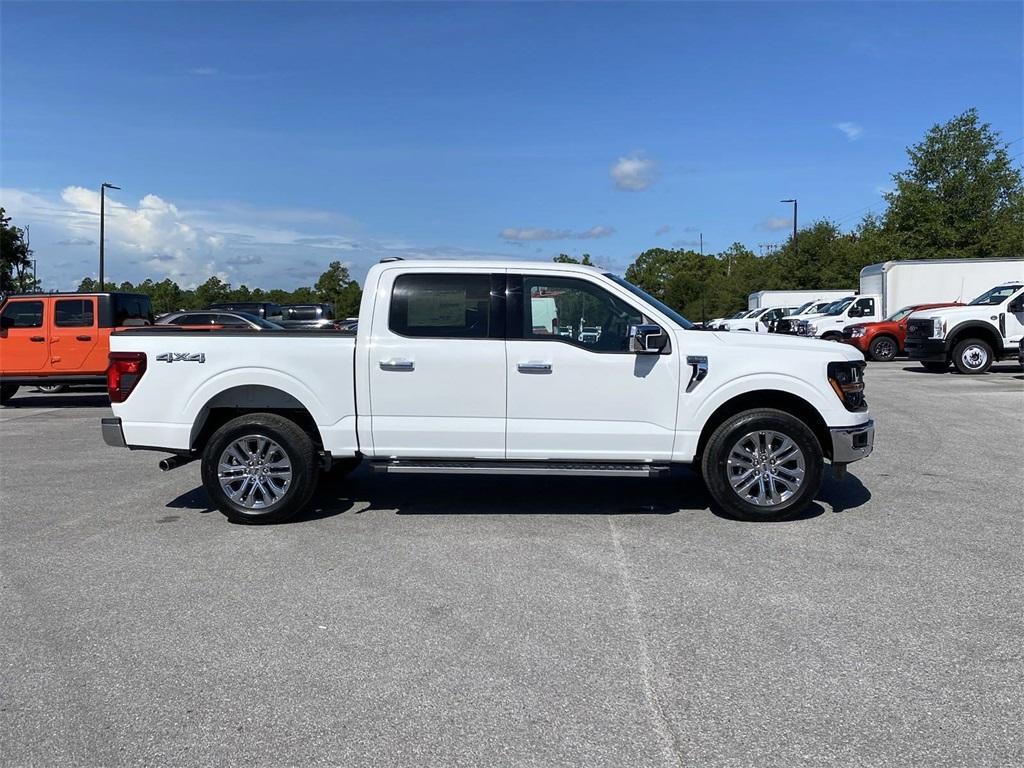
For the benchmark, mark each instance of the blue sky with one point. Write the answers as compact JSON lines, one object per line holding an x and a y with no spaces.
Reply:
{"x":261,"y":141}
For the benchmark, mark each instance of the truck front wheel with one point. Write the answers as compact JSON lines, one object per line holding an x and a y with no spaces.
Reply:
{"x":762,"y":465}
{"x":972,"y":356}
{"x":882,"y":348}
{"x":260,"y":468}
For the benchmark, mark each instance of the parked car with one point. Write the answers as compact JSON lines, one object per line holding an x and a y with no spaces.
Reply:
{"x":234,"y":320}
{"x":311,"y":316}
{"x":885,"y":339}
{"x":760,"y":320}
{"x":970,"y":337}
{"x":719,"y":322}
{"x":787,"y":323}
{"x":1020,"y":354}
{"x":56,"y":339}
{"x":263,"y":309}
{"x":453,"y":371}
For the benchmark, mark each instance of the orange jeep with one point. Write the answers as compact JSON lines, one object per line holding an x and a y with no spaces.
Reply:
{"x":53,"y":339}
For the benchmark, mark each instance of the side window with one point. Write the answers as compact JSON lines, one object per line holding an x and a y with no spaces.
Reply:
{"x":441,"y":306}
{"x":73,"y":313}
{"x":22,"y":314}
{"x":228,"y":321}
{"x":577,"y":312}
{"x":866,"y":307}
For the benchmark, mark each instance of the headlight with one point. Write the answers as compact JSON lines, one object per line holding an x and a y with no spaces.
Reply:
{"x":810,"y":329}
{"x":847,"y":381}
{"x":857,"y":331}
{"x":938,"y":328}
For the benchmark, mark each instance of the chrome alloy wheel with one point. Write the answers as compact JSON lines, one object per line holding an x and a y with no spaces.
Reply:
{"x":765,"y":468}
{"x":974,"y":357}
{"x":886,"y":349}
{"x":254,"y":472}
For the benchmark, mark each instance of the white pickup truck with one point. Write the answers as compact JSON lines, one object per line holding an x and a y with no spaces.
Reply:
{"x":492,"y":367}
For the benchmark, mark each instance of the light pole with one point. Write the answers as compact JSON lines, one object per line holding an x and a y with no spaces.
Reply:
{"x":795,"y":250}
{"x":103,"y":188}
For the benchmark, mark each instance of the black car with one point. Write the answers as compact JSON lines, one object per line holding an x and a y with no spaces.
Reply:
{"x":264,"y":309}
{"x":308,"y":316}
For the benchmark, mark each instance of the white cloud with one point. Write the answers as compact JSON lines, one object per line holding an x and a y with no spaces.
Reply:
{"x":852,"y":131}
{"x":776,"y":223}
{"x":634,"y":172}
{"x":521,"y":234}
{"x":240,"y":243}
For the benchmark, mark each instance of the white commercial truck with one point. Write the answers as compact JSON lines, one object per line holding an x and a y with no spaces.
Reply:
{"x":886,"y":288}
{"x":760,"y":299}
{"x":450,"y":372}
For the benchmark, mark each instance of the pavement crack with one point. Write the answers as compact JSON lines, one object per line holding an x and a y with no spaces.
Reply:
{"x":670,"y":743}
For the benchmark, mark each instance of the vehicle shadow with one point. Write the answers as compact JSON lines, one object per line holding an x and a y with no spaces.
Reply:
{"x":363,"y":491}
{"x":1003,"y":367}
{"x":84,"y":397}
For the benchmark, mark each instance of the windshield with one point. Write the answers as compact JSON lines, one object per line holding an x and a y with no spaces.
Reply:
{"x":838,"y":307}
{"x":660,"y":306}
{"x":264,"y":324}
{"x":801,"y":308}
{"x":997,"y":295}
{"x":759,"y":312}
{"x":899,"y":315}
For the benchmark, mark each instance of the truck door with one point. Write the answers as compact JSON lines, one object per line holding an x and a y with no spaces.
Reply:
{"x":23,"y":336}
{"x":74,"y":334}
{"x":437,"y":365}
{"x":1014,"y":321}
{"x":575,"y":391}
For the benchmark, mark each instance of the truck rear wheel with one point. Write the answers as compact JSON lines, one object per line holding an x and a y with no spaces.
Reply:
{"x":972,"y":356}
{"x":762,"y":465}
{"x":7,"y":391}
{"x":260,"y":468}
{"x":882,"y":348}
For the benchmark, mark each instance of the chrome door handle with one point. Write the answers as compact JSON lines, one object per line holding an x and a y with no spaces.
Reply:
{"x":397,"y":364}
{"x":533,"y":367}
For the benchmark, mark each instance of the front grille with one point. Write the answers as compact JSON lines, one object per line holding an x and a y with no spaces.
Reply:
{"x":920,"y":329}
{"x":784,"y":326}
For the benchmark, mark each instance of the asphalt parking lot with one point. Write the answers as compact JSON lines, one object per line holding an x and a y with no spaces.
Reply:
{"x":472,"y":621}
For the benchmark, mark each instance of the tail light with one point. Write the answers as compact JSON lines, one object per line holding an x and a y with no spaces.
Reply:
{"x":123,"y":373}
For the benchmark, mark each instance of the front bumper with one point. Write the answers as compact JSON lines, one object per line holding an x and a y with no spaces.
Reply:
{"x":860,"y":342}
{"x":852,"y":443}
{"x":925,"y":349}
{"x":113,"y":435}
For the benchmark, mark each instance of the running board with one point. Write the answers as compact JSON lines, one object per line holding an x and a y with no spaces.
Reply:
{"x":579,"y":468}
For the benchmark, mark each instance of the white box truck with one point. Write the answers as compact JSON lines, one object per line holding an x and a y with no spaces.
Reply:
{"x":760,"y":299}
{"x":888,"y":287}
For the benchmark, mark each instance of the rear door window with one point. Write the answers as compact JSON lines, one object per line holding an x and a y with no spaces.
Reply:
{"x":73,"y":313}
{"x":22,"y":314}
{"x":447,"y":306}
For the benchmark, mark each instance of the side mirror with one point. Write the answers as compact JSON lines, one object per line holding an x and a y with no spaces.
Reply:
{"x":1015,"y":306}
{"x":647,"y":339}
{"x":855,"y":312}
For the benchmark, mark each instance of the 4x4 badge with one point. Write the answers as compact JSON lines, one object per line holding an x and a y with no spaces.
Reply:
{"x":187,"y":357}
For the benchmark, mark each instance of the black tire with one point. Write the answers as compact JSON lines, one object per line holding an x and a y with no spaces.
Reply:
{"x":52,"y":389}
{"x":972,"y":356}
{"x":832,"y":337}
{"x":935,"y":366}
{"x":299,"y":453}
{"x":7,"y":391}
{"x":717,"y":471}
{"x":883,"y":348}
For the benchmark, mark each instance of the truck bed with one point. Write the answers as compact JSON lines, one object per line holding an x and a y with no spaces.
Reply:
{"x":189,"y":372}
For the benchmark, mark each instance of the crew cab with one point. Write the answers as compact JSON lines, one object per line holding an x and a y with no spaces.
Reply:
{"x":970,"y":337}
{"x":885,"y":339}
{"x":788,"y":323}
{"x":48,"y":340}
{"x":499,"y":367}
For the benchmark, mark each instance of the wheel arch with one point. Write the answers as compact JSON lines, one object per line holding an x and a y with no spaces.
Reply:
{"x":767,"y":398}
{"x":975,"y":329}
{"x":250,"y":398}
{"x":886,"y":335}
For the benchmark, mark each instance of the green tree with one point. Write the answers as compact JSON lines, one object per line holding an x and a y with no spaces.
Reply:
{"x":214,"y":290}
{"x":15,"y":264}
{"x":564,"y":258}
{"x":960,"y":197}
{"x":338,"y":289}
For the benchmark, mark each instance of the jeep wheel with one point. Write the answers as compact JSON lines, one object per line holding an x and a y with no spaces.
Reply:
{"x":52,"y":389}
{"x":882,"y":348}
{"x":7,"y":391}
{"x":763,"y":465}
{"x":260,"y":468}
{"x":972,"y":356}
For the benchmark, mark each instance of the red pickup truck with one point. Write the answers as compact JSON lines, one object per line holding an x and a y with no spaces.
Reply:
{"x":883,"y":340}
{"x":49,"y":339}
